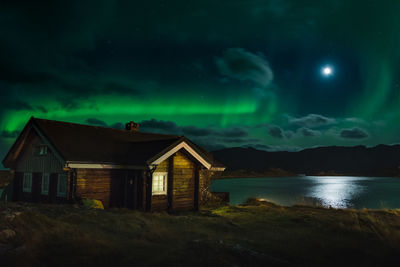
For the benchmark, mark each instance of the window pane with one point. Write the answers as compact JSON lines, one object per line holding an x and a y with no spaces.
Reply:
{"x":159,"y":186}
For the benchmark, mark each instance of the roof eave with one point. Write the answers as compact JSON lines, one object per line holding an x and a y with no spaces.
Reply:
{"x":175,"y":147}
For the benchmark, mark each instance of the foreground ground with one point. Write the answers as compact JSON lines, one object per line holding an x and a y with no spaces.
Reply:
{"x":258,"y":234}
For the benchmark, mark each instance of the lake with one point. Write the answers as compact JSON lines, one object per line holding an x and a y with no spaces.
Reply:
{"x":335,"y":191}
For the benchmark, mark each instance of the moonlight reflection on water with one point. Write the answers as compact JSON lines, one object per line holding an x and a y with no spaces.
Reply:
{"x":334,"y":191}
{"x":337,"y":192}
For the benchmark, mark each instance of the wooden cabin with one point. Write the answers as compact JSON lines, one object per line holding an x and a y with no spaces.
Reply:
{"x":55,"y":161}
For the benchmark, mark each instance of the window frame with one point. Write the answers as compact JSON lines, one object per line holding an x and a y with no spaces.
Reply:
{"x":59,"y":177}
{"x":47,"y":176}
{"x":165,"y":183}
{"x":26,"y":189}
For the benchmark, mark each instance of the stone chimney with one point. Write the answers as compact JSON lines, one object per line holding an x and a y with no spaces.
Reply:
{"x":132,"y":126}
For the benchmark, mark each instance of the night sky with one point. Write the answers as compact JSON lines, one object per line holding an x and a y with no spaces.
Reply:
{"x":273,"y":75}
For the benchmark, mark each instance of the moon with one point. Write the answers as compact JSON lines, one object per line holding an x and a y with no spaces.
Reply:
{"x":327,"y":71}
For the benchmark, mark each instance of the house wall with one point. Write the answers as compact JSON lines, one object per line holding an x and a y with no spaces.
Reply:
{"x":160,"y":202}
{"x":94,"y":183}
{"x":114,"y":188}
{"x":184,"y":174}
{"x":30,"y":162}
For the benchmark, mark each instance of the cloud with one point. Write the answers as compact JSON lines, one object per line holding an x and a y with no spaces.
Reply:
{"x":232,"y":133}
{"x":94,"y":121}
{"x":353,"y":133}
{"x":167,"y":126}
{"x":242,"y":65}
{"x":288,"y":134}
{"x":312,"y":120}
{"x":356,"y":120}
{"x":275,"y":131}
{"x":118,"y":125}
{"x":306,"y":132}
{"x":195,"y":131}
{"x":240,"y":140}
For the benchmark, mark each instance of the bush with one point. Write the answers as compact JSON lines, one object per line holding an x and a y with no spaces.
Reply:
{"x":92,"y":203}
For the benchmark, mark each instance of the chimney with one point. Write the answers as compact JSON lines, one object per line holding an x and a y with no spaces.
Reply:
{"x":132,"y":126}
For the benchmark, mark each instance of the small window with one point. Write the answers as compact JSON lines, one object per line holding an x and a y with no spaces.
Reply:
{"x":159,"y":183}
{"x":27,"y":182}
{"x":45,"y":184}
{"x":42,"y":150}
{"x":62,"y":185}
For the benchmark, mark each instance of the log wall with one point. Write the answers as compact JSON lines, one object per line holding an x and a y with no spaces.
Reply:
{"x":94,"y":183}
{"x":160,"y":202}
{"x":183,"y":191}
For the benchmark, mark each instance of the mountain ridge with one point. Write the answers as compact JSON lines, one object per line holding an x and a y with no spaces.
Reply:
{"x":380,"y":160}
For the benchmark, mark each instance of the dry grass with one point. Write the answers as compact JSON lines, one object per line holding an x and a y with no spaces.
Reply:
{"x":254,"y":234}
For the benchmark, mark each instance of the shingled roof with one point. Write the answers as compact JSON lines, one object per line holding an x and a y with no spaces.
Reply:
{"x":93,"y":144}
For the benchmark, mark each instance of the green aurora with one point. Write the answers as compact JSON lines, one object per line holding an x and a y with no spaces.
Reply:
{"x":232,"y":73}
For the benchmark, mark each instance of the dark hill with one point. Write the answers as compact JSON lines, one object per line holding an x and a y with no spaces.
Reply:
{"x":381,"y":160}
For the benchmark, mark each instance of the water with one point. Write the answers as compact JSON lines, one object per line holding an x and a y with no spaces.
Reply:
{"x":335,"y":191}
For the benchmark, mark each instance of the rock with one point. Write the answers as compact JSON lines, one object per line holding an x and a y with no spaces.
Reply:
{"x":92,"y":203}
{"x":6,"y":235}
{"x":9,"y":215}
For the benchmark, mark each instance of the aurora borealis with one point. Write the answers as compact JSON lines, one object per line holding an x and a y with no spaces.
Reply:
{"x":223,"y":73}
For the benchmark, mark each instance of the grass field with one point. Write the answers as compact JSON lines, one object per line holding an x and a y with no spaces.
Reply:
{"x":256,"y":234}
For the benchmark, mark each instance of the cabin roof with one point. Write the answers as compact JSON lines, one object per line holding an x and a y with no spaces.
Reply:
{"x":93,"y":144}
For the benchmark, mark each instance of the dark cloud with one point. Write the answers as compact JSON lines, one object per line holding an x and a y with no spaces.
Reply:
{"x":353,"y":133}
{"x":240,"y":140}
{"x":311,"y":121}
{"x":242,"y":65}
{"x":9,"y":134}
{"x":288,"y":134}
{"x":118,"y":125}
{"x":232,"y":133}
{"x":167,"y":126}
{"x":195,"y":131}
{"x":209,"y":145}
{"x":97,"y":122}
{"x":306,"y":132}
{"x":275,"y":131}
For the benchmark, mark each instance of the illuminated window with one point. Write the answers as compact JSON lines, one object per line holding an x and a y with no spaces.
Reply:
{"x":45,"y":183}
{"x":62,"y":185}
{"x":159,"y":183}
{"x":27,"y":182}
